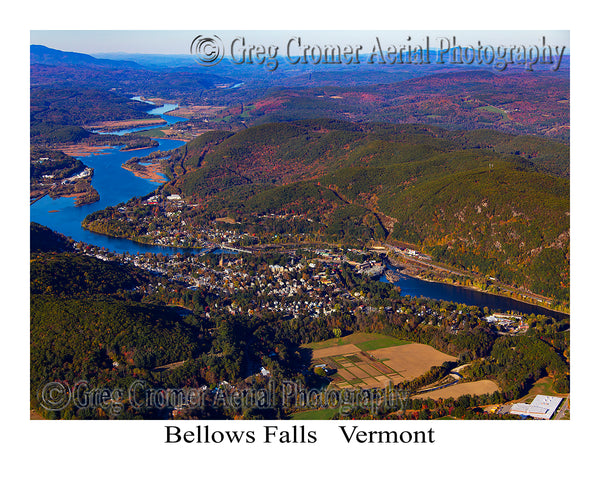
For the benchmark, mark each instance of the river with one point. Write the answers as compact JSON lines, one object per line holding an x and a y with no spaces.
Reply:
{"x":416,"y":287}
{"x":116,"y":185}
{"x":162,"y":110}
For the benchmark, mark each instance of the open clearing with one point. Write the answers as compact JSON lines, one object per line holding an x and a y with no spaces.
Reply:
{"x":335,"y":351}
{"x":363,"y":341}
{"x":197,"y":111}
{"x":411,"y":360}
{"x":322,"y":414}
{"x":368,"y":360}
{"x":112,"y":125}
{"x":470,"y":388}
{"x":544,"y":386}
{"x":492,"y":109}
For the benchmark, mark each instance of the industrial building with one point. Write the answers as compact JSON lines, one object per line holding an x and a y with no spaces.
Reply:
{"x":542,"y":407}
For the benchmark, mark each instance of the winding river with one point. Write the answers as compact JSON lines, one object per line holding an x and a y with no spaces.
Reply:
{"x":116,"y":185}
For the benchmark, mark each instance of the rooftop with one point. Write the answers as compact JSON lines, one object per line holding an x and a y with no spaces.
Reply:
{"x":542,"y":407}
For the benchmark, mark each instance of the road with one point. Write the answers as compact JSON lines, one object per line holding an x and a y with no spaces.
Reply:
{"x":563,"y":409}
{"x":454,"y":374}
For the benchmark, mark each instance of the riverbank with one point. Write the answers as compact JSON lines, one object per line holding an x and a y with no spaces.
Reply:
{"x":205,"y":247}
{"x":81,"y":149}
{"x":152,"y":172}
{"x":411,"y":282}
{"x":424,"y":272}
{"x":117,"y":125}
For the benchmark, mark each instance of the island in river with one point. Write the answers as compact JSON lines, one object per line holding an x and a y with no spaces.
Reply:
{"x":150,"y":171}
{"x":57,"y":174}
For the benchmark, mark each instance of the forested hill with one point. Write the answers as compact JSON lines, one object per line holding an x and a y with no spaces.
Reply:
{"x":83,"y":320}
{"x":490,"y":202}
{"x":42,"y":239}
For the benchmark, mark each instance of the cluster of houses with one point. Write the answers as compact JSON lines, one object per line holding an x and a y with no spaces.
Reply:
{"x":86,"y":172}
{"x":408,"y":252}
{"x":371,"y":268}
{"x":511,"y":324}
{"x":276,"y":290}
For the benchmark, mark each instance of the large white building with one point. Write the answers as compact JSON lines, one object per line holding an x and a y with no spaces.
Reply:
{"x":542,"y":407}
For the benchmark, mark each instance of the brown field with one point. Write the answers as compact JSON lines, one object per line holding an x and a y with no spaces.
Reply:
{"x":368,"y":360}
{"x":33,"y":415}
{"x":373,"y":383}
{"x":158,"y":101}
{"x":226,"y":220}
{"x":382,"y":368}
{"x":471,"y":388}
{"x":81,"y":149}
{"x":358,"y":372}
{"x":346,"y":375}
{"x":411,"y":360}
{"x":344,"y":364}
{"x":197,"y":111}
{"x":337,"y":350}
{"x":113,"y":125}
{"x":368,"y":368}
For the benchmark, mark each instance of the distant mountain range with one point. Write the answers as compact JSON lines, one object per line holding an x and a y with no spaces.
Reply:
{"x":41,"y":54}
{"x":514,"y":101}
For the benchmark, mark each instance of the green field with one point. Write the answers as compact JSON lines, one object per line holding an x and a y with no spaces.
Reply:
{"x":153,"y":133}
{"x":491,"y":109}
{"x":544,"y":386}
{"x":382,"y":342}
{"x":323,"y":414}
{"x":364,"y":341}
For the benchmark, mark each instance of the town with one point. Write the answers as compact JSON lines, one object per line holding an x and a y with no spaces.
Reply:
{"x":302,"y":283}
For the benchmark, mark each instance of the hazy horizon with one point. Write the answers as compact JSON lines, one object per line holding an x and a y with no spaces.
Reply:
{"x":162,"y":42}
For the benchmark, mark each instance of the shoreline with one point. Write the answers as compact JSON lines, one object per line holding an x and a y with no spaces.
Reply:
{"x":412,"y":275}
{"x":115,"y":126}
{"x":475,"y":289}
{"x":82,"y":150}
{"x":542,"y":304}
{"x":149,"y":172}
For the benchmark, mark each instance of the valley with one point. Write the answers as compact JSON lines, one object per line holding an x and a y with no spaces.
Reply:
{"x":232,"y":230}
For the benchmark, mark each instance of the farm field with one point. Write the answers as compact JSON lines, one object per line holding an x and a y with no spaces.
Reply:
{"x":323,"y":414}
{"x":479,"y":387}
{"x":360,"y":340}
{"x":411,"y":360}
{"x":490,"y":108}
{"x":367,"y":360}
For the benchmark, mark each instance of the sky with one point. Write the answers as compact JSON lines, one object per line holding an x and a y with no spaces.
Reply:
{"x":178,"y":41}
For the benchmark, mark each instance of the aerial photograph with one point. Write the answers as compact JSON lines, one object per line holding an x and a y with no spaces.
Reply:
{"x":299,"y":225}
